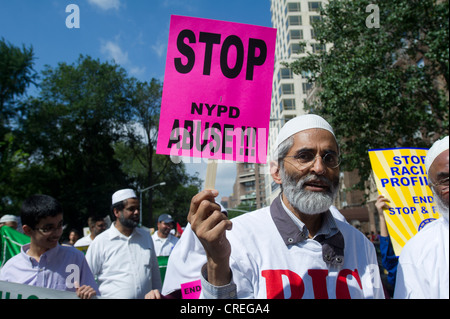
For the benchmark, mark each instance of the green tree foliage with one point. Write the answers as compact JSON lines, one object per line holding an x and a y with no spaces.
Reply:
{"x":16,"y":75}
{"x":69,"y":130}
{"x":89,"y":131}
{"x":137,"y":155}
{"x":381,"y":87}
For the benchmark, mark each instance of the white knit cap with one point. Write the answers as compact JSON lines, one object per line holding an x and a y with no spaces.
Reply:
{"x":302,"y":123}
{"x":438,"y":147}
{"x":8,"y":218}
{"x":122,"y":195}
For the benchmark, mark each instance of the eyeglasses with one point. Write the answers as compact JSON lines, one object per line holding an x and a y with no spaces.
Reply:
{"x":443,"y":183}
{"x":307,"y":159}
{"x":132,"y":209}
{"x":50,"y":229}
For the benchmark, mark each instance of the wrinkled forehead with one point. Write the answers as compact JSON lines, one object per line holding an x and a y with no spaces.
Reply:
{"x":440,"y":165}
{"x":316,"y":140}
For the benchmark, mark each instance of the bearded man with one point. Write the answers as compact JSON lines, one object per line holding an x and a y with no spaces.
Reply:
{"x":422,"y":272}
{"x":295,"y":248}
{"x":123,"y":258}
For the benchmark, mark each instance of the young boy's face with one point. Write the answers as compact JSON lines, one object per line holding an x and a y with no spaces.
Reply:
{"x":47,"y":232}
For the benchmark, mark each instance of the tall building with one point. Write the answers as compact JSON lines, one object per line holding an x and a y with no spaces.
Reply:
{"x":254,"y":185}
{"x":290,"y":92}
{"x":293,"y":19}
{"x":249,"y":188}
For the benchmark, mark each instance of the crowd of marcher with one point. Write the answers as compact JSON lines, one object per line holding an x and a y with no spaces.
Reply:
{"x":298,"y":247}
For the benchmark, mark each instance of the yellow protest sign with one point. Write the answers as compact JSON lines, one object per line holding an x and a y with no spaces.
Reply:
{"x":401,"y":177}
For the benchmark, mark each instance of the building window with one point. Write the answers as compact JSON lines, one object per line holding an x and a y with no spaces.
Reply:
{"x":287,"y":88}
{"x":296,"y":35}
{"x":306,"y":74}
{"x":286,"y":74}
{"x":313,"y":19}
{"x":294,"y":20}
{"x":296,"y":48}
{"x":293,"y":7}
{"x":288,"y":104}
{"x":248,"y":166}
{"x":317,"y":47}
{"x":287,"y":118}
{"x":314,"y":6}
{"x":306,"y":87}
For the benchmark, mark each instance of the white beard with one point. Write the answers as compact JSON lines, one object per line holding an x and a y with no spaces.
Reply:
{"x":441,"y":206}
{"x":311,"y":203}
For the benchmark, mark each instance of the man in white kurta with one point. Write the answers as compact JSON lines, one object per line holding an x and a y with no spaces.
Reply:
{"x":423,"y":267}
{"x":294,"y":248}
{"x":123,"y":257}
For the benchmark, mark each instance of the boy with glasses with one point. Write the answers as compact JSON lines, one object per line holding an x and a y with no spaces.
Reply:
{"x":43,"y":262}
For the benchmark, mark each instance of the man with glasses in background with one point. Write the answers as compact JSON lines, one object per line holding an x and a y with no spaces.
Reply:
{"x":422,"y":272}
{"x":123,"y":257}
{"x":295,"y":248}
{"x":43,"y":262}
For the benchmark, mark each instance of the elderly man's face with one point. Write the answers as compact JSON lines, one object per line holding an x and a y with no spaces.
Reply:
{"x":311,"y":188}
{"x":438,"y":174}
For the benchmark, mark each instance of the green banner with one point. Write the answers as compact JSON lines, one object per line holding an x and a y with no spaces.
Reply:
{"x":9,"y":290}
{"x":162,"y":262}
{"x":11,"y":241}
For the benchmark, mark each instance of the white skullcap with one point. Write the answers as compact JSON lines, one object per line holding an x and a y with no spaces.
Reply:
{"x":438,"y":147}
{"x":122,"y":195}
{"x":8,"y":218}
{"x":302,"y":123}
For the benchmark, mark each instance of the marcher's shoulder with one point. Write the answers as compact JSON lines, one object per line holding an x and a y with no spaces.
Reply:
{"x":351,"y":232}
{"x":145,"y":232}
{"x":252,"y":216}
{"x":103,"y":236}
{"x":251,"y":222}
{"x":71,"y":251}
{"x":173,"y":238}
{"x":419,"y":246}
{"x":10,"y":264}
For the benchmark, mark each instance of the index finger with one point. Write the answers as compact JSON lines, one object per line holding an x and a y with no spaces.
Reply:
{"x":208,"y":195}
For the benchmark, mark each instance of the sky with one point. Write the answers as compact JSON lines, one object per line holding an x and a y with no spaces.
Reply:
{"x":133,"y":33}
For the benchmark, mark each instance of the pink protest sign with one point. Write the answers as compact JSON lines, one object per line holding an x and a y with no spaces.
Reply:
{"x":217,"y":90}
{"x":191,"y":290}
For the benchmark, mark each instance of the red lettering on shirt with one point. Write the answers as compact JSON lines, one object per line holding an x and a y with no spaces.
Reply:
{"x":274,"y":284}
{"x":319,"y":280}
{"x":342,"y":291}
{"x":275,"y":287}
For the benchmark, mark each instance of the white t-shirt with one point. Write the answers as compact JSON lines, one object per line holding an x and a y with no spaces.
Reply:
{"x":266,"y":267}
{"x":164,"y":246}
{"x":270,"y":262}
{"x":423,"y":267}
{"x":125,"y":267}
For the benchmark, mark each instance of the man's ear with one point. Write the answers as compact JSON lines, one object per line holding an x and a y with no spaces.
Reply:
{"x":27,"y":230}
{"x":275,"y":172}
{"x":116,"y":212}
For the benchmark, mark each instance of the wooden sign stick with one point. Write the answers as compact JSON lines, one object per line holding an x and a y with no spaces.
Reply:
{"x":211,"y":172}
